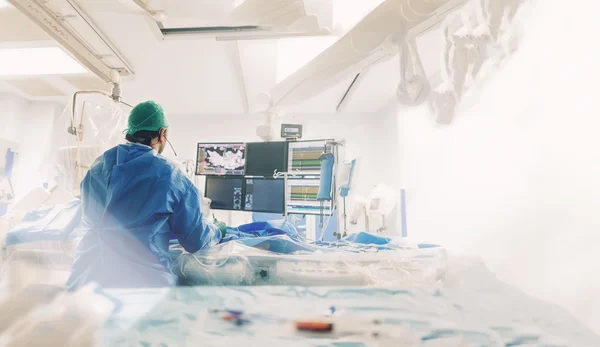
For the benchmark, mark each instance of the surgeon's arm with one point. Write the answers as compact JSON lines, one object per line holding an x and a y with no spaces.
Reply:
{"x":188,"y":223}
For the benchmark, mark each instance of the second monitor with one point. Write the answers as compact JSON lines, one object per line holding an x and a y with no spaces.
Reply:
{"x":264,"y":158}
{"x":231,"y":193}
{"x":265,"y":195}
{"x":226,"y":193}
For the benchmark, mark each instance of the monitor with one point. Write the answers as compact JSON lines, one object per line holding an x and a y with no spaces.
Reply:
{"x":226,"y":193}
{"x":265,"y":195}
{"x":302,"y":198}
{"x":221,"y":159}
{"x":264,"y":158}
{"x":304,"y":156}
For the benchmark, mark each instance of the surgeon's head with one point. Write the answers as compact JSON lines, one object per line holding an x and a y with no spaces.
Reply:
{"x":148,"y":125}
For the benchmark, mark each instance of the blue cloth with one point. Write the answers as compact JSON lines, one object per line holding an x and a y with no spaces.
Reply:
{"x":262,"y":229}
{"x":327,"y":161}
{"x":361,"y":242}
{"x":279,"y":244}
{"x":50,"y":224}
{"x":132,"y":199}
{"x":267,"y":235}
{"x":368,"y":239}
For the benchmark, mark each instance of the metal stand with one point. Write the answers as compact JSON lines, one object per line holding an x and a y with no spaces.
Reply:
{"x":115,"y":96}
{"x":321,"y":217}
{"x":335,"y":150}
{"x":345,"y":219}
{"x":286,"y":190}
{"x":78,"y":130}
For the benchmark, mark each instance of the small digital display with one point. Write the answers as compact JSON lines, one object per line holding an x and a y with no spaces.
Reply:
{"x":222,"y":159}
{"x":291,"y":131}
{"x":264,"y":195}
{"x":226,"y":193}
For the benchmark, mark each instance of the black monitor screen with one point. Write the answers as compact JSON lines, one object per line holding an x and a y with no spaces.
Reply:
{"x":221,"y":159}
{"x":264,"y":158}
{"x":265,"y":195}
{"x":226,"y":193}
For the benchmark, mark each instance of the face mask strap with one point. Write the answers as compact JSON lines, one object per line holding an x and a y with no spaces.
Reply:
{"x":169,"y":142}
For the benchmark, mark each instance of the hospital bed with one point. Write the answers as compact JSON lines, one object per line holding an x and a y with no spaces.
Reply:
{"x":490,"y":315}
{"x":481,"y":312}
{"x":281,"y":260}
{"x":416,"y":293}
{"x":47,"y":237}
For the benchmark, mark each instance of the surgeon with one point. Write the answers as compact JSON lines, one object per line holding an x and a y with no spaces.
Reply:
{"x":133,"y":199}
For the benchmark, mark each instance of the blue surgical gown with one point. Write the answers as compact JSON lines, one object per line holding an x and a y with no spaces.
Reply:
{"x":132,"y":200}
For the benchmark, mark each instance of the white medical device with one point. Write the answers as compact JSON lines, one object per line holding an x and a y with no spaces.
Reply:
{"x":379,"y":203}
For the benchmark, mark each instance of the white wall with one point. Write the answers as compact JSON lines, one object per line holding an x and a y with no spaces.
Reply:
{"x":515,"y":179}
{"x":29,"y":124}
{"x":371,"y":138}
{"x":12,"y":108}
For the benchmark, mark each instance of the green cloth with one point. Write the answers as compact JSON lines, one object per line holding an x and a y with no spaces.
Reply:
{"x":148,"y":116}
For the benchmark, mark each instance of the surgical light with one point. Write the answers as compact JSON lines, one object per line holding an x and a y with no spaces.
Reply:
{"x":37,"y":61}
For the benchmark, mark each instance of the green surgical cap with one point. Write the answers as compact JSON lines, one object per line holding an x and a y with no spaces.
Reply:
{"x":147,"y":116}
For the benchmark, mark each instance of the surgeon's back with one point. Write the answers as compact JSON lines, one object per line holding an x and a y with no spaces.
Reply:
{"x":133,"y":198}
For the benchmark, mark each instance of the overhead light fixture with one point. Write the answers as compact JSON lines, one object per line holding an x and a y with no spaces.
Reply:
{"x":38,"y":61}
{"x":4,"y":3}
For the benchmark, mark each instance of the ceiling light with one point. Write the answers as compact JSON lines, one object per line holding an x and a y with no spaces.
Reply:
{"x":37,"y":61}
{"x":4,"y":3}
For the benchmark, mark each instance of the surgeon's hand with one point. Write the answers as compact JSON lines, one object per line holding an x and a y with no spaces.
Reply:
{"x":222,"y":226}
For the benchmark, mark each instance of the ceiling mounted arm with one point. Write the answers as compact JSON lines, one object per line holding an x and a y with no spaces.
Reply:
{"x":373,"y":40}
{"x":414,"y":87}
{"x":78,"y":130}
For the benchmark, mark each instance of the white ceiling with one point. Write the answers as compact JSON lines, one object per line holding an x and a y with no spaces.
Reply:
{"x":199,"y":76}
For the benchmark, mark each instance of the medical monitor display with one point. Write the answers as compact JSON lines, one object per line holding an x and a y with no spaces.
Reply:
{"x":302,"y":198}
{"x":264,"y":158}
{"x":226,"y":193}
{"x":304,"y":156}
{"x":221,"y":159}
{"x":265,"y":195}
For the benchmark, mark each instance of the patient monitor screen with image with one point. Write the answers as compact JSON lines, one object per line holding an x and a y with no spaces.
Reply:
{"x":226,"y":193}
{"x":221,"y":159}
{"x":264,"y":195}
{"x":264,"y":158}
